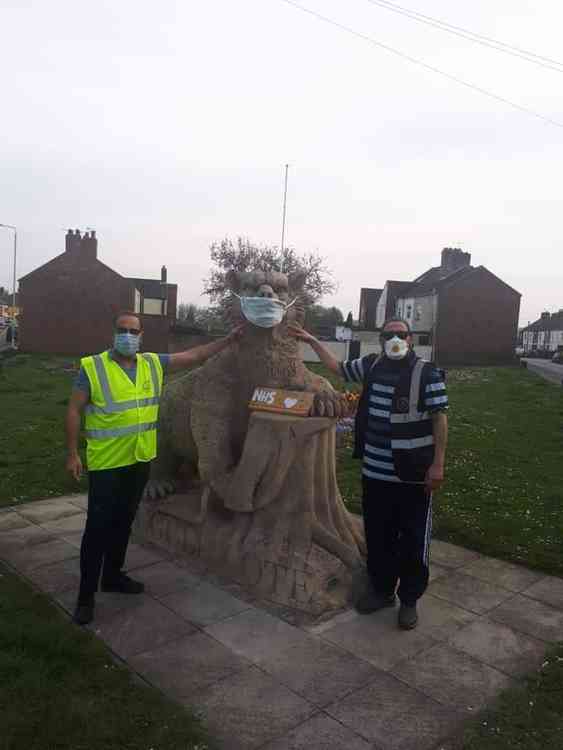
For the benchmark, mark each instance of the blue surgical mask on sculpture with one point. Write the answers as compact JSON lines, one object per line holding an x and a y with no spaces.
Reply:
{"x":126,"y":344}
{"x":264,"y":312}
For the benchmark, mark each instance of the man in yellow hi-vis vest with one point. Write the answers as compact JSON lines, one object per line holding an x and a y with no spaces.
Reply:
{"x":118,"y":392}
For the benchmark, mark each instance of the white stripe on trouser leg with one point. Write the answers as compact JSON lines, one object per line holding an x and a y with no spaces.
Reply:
{"x":428,"y":534}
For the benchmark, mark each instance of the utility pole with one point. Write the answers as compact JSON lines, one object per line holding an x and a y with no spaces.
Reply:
{"x":283,"y":216}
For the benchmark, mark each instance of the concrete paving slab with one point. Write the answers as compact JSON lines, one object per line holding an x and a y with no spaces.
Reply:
{"x":395,"y":716}
{"x":185,"y":667}
{"x":72,"y":537}
{"x":164,"y":578}
{"x":441,"y":619}
{"x":437,"y":571}
{"x":255,"y":635}
{"x":11,"y":521}
{"x":43,"y":513}
{"x":377,"y":639}
{"x":469,"y":592}
{"x":499,"y":646}
{"x":73,"y":523}
{"x":141,"y":628}
{"x":501,"y":573}
{"x":106,"y":604}
{"x":450,"y":555}
{"x":36,"y":555}
{"x":452,"y":678}
{"x":57,"y":577}
{"x":531,"y":617}
{"x":250,"y":708}
{"x":548,"y":590}
{"x":139,"y":556}
{"x":320,"y":732}
{"x":81,"y":501}
{"x":23,"y":537}
{"x":204,"y":604}
{"x":318,"y":671}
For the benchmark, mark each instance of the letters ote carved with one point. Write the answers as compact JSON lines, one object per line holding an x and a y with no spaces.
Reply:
{"x":244,"y":479}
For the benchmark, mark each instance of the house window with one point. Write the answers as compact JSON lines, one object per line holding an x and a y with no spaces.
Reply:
{"x":409,"y":312}
{"x":424,"y":340}
{"x":154,"y":306}
{"x":137,"y":307}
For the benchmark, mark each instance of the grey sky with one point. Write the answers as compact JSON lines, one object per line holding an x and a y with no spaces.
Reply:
{"x":166,"y":125}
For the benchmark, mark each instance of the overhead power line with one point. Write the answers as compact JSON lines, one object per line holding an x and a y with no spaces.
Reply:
{"x":426,"y":66}
{"x":485,"y":41}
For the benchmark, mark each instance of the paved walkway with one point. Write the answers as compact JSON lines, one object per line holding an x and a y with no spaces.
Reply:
{"x":352,"y":682}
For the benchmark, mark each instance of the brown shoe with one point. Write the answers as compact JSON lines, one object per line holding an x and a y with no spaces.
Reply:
{"x":408,"y":617}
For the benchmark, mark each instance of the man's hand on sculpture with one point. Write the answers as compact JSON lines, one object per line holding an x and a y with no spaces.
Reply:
{"x":434,"y":478}
{"x":298,"y":332}
{"x":236,"y":333}
{"x":158,"y":489}
{"x":328,"y":404}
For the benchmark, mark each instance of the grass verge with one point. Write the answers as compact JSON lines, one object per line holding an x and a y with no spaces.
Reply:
{"x":34,"y":392}
{"x":59,"y":687}
{"x":527,"y":717}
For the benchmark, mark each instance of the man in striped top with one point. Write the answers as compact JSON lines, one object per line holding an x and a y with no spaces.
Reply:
{"x":401,"y":435}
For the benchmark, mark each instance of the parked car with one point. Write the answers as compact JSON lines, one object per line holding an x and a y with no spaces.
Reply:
{"x":558,"y":358}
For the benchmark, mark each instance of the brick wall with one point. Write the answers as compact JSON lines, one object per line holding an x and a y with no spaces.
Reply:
{"x":477,"y":321}
{"x":69,"y":304}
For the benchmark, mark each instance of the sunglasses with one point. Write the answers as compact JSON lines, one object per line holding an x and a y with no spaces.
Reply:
{"x":133,"y":331}
{"x":388,"y":335}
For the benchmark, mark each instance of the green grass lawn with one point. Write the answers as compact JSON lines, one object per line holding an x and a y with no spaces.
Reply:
{"x":60,"y":689}
{"x":34,"y":391}
{"x":504,"y":489}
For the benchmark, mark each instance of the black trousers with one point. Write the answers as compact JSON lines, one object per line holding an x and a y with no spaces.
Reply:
{"x":113,"y":499}
{"x":398,"y":525}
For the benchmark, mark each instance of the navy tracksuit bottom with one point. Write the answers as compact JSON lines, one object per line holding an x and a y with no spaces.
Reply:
{"x":113,"y":499}
{"x":398,"y":526}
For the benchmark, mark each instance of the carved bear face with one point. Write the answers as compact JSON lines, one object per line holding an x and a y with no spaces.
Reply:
{"x":271,"y":284}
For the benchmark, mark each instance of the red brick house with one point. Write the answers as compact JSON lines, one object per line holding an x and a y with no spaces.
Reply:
{"x":69,"y":302}
{"x":465,"y":313}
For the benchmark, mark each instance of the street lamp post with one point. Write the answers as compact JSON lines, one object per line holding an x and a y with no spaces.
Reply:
{"x":9,"y":226}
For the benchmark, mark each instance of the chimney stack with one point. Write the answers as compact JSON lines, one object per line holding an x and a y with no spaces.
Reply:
{"x":89,"y":245}
{"x":545,"y":316}
{"x":453,"y":258}
{"x":163,"y":275}
{"x":86,"y":245}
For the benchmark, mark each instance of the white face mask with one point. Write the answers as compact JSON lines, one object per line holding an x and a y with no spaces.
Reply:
{"x":396,"y":348}
{"x":264,"y":312}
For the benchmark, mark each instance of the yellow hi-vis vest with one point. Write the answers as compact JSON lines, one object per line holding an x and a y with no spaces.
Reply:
{"x":121,"y":419}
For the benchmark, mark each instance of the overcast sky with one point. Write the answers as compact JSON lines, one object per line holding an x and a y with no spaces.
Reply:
{"x":166,"y":125}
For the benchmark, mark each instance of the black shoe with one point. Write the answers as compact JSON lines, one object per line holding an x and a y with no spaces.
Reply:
{"x":84,"y":613}
{"x":373,"y":602}
{"x":123,"y":585}
{"x":408,"y":617}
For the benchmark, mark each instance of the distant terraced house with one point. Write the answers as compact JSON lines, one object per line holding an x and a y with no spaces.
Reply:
{"x":544,"y":335}
{"x":69,"y":302}
{"x":463,"y":314}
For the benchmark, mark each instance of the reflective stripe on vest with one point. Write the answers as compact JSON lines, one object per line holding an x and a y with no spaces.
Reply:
{"x":114,"y":407}
{"x":122,"y":431}
{"x":413,"y":414}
